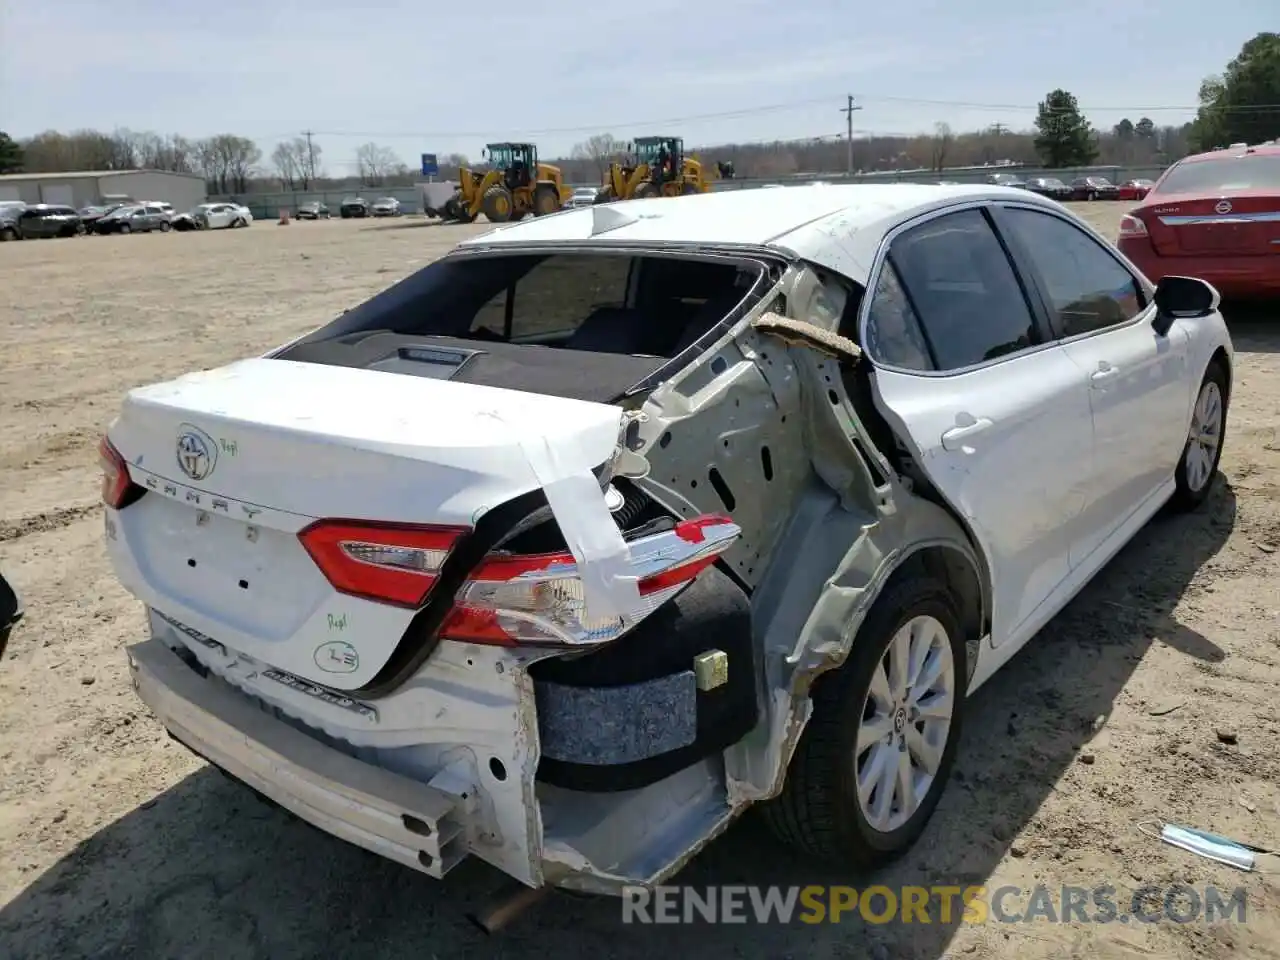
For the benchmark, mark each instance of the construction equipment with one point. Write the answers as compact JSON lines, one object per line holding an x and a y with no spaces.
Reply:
{"x":656,"y":167}
{"x":515,"y":185}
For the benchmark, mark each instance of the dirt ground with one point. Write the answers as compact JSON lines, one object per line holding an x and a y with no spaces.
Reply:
{"x":1156,"y":694}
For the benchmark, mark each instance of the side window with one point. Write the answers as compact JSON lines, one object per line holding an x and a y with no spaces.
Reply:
{"x":893,"y":329}
{"x":1088,"y":288}
{"x":959,"y":280}
{"x":554,"y":298}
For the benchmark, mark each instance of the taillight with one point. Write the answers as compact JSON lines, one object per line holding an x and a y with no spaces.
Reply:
{"x":1131,"y":226}
{"x":118,"y":491}
{"x":389,"y":563}
{"x":540,"y":600}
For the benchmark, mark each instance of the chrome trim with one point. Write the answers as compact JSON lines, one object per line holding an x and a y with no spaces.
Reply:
{"x":1229,"y":217}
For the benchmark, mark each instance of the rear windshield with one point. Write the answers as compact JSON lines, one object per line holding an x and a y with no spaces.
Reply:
{"x":1251,"y":172}
{"x":609,"y":303}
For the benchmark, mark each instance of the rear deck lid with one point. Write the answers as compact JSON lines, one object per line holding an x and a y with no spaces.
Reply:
{"x":238,"y":460}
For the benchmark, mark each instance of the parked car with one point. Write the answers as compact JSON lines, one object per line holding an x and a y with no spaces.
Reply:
{"x":1135,"y":189}
{"x":386,"y":207}
{"x":1006,"y":180}
{"x":1050,"y":187}
{"x":92,"y":214}
{"x":583,"y":196}
{"x":668,"y":552}
{"x":1216,"y":216}
{"x":1094,"y":188}
{"x":218,"y":216}
{"x":137,"y":218}
{"x":313,"y":211}
{"x":10,"y":611}
{"x":9,"y":214}
{"x":353,"y":207}
{"x":41,"y":221}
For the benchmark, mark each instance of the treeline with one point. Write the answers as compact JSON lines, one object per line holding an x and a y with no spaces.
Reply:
{"x":236,"y":164}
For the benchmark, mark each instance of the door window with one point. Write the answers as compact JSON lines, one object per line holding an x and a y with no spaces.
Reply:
{"x":1087,"y":287}
{"x":963,"y":292}
{"x":894,"y":335}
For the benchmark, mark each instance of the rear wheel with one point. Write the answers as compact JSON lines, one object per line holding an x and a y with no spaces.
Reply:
{"x":690,"y":188}
{"x":496,"y":204}
{"x":872,"y":762}
{"x":1203,"y":450}
{"x":7,"y":234}
{"x":165,"y":226}
{"x":546,"y":199}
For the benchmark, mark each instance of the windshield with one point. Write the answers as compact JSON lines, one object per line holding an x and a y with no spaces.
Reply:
{"x":1256,"y":171}
{"x":386,"y":200}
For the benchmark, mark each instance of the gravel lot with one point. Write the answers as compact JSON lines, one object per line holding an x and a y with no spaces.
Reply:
{"x":1155,"y":694}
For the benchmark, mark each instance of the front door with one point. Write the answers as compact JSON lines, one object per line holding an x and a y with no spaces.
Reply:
{"x":1136,"y":377}
{"x":995,"y":414}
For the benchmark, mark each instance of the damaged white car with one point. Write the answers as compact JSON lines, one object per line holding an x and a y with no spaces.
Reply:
{"x":575,"y":544}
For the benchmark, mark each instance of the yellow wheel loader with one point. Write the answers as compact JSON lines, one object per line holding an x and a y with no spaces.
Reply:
{"x":515,"y":185}
{"x":657,"y":167}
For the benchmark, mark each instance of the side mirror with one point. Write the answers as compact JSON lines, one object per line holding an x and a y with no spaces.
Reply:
{"x":1182,"y":298}
{"x":484,"y":153}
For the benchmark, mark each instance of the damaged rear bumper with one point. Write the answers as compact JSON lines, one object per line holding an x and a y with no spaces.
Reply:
{"x":412,"y":823}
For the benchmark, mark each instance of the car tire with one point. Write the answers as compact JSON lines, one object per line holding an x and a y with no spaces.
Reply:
{"x":165,"y":226}
{"x":124,"y":228}
{"x":7,"y":234}
{"x":1206,"y":433}
{"x":819,"y":811}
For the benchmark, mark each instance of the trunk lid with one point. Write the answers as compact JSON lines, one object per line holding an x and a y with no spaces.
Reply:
{"x":238,"y":460}
{"x":1230,"y":225}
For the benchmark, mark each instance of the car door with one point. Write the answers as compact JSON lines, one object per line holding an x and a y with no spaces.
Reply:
{"x":993,"y":412}
{"x":33,"y":223}
{"x":1137,"y":378}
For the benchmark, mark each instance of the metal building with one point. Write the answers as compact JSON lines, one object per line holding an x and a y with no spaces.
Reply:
{"x":83,"y":188}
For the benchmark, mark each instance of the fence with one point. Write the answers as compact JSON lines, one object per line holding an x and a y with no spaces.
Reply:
{"x":269,"y":205}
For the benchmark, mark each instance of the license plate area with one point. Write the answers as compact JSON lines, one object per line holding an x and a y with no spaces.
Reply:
{"x":1219,"y":237}
{"x":256,"y":580}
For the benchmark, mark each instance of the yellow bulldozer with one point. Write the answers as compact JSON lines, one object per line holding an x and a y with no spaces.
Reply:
{"x":515,"y":185}
{"x":656,"y":167}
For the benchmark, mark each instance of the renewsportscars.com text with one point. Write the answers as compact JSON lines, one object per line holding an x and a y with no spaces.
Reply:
{"x":1178,"y":903}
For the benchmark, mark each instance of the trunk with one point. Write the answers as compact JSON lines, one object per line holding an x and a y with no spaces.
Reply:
{"x":237,"y":461}
{"x":1228,"y":226}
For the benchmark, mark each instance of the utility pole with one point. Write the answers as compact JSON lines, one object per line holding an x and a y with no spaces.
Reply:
{"x":311,"y":156}
{"x":847,"y":110}
{"x":997,"y":128}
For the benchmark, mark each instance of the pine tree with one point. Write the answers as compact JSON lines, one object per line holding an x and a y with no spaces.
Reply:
{"x":1064,"y":137}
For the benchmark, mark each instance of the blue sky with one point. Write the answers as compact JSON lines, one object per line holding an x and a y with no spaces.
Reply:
{"x":448,"y":76}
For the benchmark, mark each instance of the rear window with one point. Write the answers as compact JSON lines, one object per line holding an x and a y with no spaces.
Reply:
{"x":639,"y":305}
{"x":1250,"y":172}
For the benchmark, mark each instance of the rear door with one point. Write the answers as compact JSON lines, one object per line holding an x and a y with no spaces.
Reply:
{"x":1137,"y":378}
{"x":994,"y":413}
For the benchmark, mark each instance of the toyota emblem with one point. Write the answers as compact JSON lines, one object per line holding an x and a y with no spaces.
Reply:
{"x":1224,"y":206}
{"x":197,"y":452}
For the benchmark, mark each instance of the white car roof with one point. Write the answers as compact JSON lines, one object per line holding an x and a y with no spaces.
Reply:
{"x":839,"y":227}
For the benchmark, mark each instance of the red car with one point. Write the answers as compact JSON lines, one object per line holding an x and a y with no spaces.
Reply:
{"x":1135,"y":189}
{"x":1215,"y":216}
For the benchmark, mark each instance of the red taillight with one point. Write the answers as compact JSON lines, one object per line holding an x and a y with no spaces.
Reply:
{"x":1131,"y":226}
{"x":541,"y":600}
{"x":389,"y":563}
{"x":118,"y":491}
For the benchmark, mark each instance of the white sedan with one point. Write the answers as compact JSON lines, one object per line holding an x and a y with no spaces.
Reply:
{"x":214,"y":216}
{"x":530,"y":572}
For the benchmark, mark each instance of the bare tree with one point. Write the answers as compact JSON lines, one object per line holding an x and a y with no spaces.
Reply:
{"x":375,"y":164}
{"x":601,"y":150}
{"x":942,"y":139}
{"x":296,"y":163}
{"x":285,"y":162}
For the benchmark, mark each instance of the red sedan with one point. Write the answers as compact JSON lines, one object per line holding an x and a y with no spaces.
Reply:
{"x":1215,"y":216}
{"x":1135,"y":189}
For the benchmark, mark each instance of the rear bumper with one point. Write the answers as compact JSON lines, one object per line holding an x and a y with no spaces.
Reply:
{"x":1243,"y":277}
{"x":390,"y":815}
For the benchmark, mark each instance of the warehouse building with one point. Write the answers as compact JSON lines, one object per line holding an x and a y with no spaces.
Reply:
{"x":84,"y":188}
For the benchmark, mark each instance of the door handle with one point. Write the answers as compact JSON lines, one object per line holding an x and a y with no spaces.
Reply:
{"x":1104,"y":373}
{"x":954,"y":439}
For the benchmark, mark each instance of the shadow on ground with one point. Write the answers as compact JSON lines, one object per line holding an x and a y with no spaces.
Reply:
{"x":1255,"y":327}
{"x":208,"y":871}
